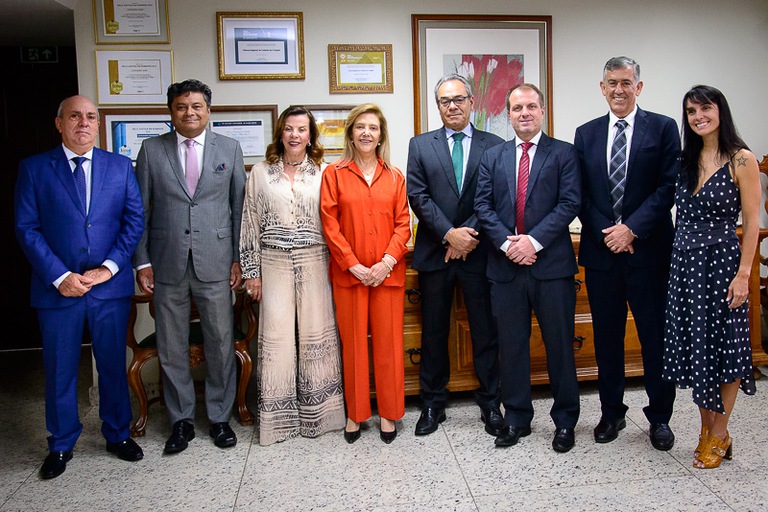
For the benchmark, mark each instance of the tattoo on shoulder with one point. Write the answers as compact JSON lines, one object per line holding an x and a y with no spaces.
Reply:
{"x":741,"y":161}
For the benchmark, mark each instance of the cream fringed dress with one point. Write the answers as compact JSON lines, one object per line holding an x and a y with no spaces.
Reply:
{"x":282,"y":242}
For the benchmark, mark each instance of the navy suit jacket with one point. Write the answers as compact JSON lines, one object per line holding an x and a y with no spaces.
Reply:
{"x":552,"y":202}
{"x":649,"y":192}
{"x":57,"y":236}
{"x":436,"y":200}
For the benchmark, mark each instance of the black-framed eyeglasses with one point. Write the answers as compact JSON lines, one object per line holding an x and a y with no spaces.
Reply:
{"x":456,"y":100}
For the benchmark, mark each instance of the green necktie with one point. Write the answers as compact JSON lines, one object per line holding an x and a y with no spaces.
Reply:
{"x":457,"y":156}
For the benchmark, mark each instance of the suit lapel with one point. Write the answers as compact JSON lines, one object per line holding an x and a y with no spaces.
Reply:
{"x":172,"y":152}
{"x":209,"y":157}
{"x":440,"y":146}
{"x":476,"y":150}
{"x":508,"y":157}
{"x":542,"y":153}
{"x":638,"y":134}
{"x":63,"y":172}
{"x":98,"y":175}
{"x":599,"y":154}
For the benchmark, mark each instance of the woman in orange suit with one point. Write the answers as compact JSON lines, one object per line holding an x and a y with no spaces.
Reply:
{"x":365,"y":218}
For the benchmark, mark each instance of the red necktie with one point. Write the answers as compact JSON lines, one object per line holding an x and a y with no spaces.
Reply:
{"x":522,"y":187}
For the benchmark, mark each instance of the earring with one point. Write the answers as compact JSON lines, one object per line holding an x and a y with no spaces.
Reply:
{"x":309,"y":144}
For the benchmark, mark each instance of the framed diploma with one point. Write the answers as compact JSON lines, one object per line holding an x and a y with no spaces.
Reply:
{"x":133,"y":77}
{"x":260,"y":45}
{"x":331,"y":121}
{"x":131,"y":21}
{"x":251,"y":125}
{"x":360,"y":68}
{"x":122,"y":130}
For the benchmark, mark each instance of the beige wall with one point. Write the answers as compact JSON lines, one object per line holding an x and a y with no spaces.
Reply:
{"x":677,"y":44}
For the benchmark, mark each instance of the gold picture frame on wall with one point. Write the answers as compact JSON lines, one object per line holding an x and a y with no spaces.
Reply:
{"x":260,"y":45}
{"x":493,"y":52}
{"x":355,"y":68}
{"x":131,"y":21}
{"x":330,"y":120}
{"x":135,"y":77}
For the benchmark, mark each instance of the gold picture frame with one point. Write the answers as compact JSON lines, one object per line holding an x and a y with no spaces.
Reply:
{"x":330,"y":120}
{"x":260,"y":45}
{"x":355,"y":68}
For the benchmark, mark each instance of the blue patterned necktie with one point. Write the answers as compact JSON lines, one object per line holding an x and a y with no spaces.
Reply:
{"x":80,"y":179}
{"x":618,"y":169}
{"x":457,"y":157}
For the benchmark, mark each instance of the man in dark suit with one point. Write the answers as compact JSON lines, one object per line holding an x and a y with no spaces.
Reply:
{"x":192,"y":183}
{"x":528,"y":192}
{"x":441,"y":181}
{"x":78,"y":220}
{"x":626,"y":243}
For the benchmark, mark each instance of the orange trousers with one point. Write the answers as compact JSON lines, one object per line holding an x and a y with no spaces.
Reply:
{"x":378,"y":310}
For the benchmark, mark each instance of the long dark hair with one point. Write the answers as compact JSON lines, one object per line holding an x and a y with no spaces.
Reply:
{"x":728,"y":140}
{"x":276,"y":149}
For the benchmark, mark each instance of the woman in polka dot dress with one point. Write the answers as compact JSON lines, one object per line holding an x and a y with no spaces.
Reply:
{"x":707,"y":345}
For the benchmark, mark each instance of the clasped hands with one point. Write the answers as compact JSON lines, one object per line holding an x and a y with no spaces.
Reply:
{"x":370,"y":276}
{"x":619,"y":238}
{"x":520,"y":250}
{"x":77,"y":285}
{"x":461,"y":241}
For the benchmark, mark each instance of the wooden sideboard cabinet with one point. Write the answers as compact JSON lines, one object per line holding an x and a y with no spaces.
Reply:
{"x":460,"y":349}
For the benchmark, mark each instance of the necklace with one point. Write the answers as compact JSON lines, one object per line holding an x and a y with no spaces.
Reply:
{"x":293,"y":163}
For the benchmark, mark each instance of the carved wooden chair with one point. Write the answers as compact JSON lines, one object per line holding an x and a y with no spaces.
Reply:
{"x":144,"y":350}
{"x":763,"y":258}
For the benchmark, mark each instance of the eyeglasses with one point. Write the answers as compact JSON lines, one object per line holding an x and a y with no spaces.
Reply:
{"x":456,"y":100}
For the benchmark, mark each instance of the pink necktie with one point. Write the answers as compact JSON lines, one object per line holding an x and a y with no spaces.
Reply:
{"x":522,"y":187}
{"x":192,"y":169}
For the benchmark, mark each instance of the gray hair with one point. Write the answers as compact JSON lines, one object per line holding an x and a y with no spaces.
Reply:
{"x":622,"y":62}
{"x":457,"y":77}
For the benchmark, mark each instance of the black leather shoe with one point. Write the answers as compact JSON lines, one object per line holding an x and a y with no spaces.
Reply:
{"x":223,"y":435}
{"x":608,"y":430}
{"x":662,"y":437}
{"x":494,"y":421}
{"x":351,"y":436}
{"x":126,"y":450}
{"x":511,"y":435}
{"x":55,"y":464}
{"x":181,"y":434}
{"x":564,"y":440}
{"x":430,"y":418}
{"x":388,"y":437}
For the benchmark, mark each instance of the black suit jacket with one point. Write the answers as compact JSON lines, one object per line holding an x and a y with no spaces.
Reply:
{"x":552,"y":202}
{"x":649,"y":193}
{"x":436,"y":200}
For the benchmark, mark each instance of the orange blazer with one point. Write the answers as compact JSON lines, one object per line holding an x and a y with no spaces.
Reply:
{"x":361,"y":223}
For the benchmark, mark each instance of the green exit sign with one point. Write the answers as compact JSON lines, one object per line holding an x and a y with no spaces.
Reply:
{"x":39,"y":54}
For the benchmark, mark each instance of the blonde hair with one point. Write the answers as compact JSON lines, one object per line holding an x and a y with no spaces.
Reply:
{"x":382,"y":150}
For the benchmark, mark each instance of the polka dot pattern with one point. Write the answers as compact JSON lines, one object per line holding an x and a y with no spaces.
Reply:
{"x":705,"y":342}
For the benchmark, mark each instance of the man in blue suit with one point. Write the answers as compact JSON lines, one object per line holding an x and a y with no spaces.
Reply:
{"x":78,"y":220}
{"x":449,"y":250}
{"x":528,"y":192}
{"x":626,"y":243}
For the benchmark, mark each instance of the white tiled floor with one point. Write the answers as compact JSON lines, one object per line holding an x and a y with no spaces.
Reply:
{"x":456,"y":469}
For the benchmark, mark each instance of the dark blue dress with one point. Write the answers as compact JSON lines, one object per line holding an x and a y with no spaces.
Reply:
{"x":705,"y":342}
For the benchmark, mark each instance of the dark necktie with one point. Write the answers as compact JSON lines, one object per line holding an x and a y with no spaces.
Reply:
{"x":80,"y":179}
{"x":191,"y":170}
{"x":457,"y":156}
{"x":617,"y":175}
{"x":522,"y":187}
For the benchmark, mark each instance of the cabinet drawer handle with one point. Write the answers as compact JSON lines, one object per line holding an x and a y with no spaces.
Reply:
{"x":414,"y":352}
{"x":577,"y":284}
{"x":578,"y":342}
{"x":414,"y":295}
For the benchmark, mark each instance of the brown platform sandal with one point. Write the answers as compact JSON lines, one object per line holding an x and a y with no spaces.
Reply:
{"x":714,"y":451}
{"x":702,"y":441}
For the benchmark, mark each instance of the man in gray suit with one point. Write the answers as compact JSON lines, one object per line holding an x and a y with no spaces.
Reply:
{"x":192,"y":183}
{"x":449,"y":250}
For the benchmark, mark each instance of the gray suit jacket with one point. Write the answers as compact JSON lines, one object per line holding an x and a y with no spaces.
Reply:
{"x":176,"y":223}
